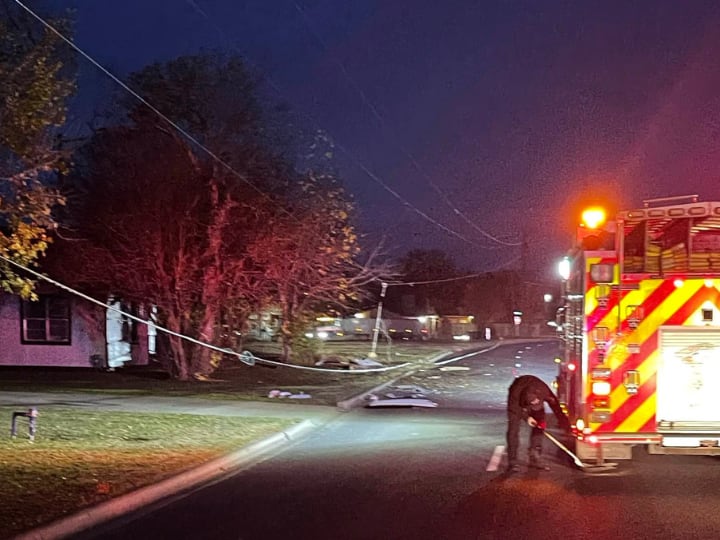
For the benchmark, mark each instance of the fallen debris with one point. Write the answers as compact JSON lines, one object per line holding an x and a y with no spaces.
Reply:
{"x":364,"y":363}
{"x":401,"y":402}
{"x":334,"y":362}
{"x":412,"y":388}
{"x":279,"y":394}
{"x":403,"y":395}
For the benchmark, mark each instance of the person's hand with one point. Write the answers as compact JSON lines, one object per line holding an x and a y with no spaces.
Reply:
{"x":532,"y":422}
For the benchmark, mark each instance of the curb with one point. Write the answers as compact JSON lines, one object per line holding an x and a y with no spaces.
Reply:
{"x":185,"y":481}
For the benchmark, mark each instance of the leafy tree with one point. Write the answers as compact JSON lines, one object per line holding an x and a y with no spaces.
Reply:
{"x":310,"y":256}
{"x":157,"y":220}
{"x":158,"y":227}
{"x":161,"y":221}
{"x":35,"y":82}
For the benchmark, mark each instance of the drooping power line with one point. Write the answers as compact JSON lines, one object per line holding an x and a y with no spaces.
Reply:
{"x":154,"y":109}
{"x":381,"y":119}
{"x":244,"y":356}
{"x":353,"y":158}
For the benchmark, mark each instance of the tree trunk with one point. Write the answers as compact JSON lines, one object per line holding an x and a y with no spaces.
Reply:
{"x":178,"y":356}
{"x":203,"y":364}
{"x":286,"y":333}
{"x":286,"y":336}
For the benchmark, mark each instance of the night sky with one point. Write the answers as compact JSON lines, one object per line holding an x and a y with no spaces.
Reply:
{"x":503,"y":114}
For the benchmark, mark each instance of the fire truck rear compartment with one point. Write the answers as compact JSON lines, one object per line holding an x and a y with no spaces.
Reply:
{"x":688,"y":391}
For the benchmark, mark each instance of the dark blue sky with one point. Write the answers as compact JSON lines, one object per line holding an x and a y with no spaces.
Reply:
{"x":514,"y":109}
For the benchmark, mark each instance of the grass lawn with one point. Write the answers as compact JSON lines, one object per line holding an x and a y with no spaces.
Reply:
{"x":81,"y":458}
{"x":233,"y":380}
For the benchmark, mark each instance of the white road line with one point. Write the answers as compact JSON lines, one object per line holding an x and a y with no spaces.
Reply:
{"x":495,"y":459}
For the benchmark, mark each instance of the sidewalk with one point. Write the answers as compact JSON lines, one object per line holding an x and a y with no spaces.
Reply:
{"x":166,"y":404}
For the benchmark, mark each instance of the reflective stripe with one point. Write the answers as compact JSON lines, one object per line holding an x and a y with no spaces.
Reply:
{"x":662,"y":304}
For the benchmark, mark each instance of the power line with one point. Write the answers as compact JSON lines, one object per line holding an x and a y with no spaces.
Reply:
{"x":380,"y":118}
{"x":145,"y":102}
{"x":212,"y":154}
{"x":244,"y":356}
{"x":445,"y":280}
{"x":399,"y":197}
{"x":358,"y":163}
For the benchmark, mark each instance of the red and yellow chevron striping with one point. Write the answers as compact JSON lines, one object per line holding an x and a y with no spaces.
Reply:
{"x":635,"y":347}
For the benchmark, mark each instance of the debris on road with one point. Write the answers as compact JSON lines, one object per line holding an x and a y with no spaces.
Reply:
{"x":364,"y":363}
{"x":333,"y":362}
{"x":413,"y":388}
{"x":286,"y":394}
{"x":400,"y":402}
{"x":405,"y":395}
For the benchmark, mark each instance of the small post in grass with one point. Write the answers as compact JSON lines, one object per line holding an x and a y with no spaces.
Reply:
{"x":31,"y":414}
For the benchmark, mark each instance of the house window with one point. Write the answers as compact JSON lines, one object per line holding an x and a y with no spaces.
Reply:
{"x":46,"y":320}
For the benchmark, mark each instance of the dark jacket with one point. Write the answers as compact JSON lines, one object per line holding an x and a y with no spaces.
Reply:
{"x":527,"y":387}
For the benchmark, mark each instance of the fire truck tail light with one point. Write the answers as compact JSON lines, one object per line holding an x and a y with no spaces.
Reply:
{"x":571,"y":367}
{"x":601,"y":402}
{"x":601,"y":388}
{"x":580,"y":425}
{"x":592,"y":439}
{"x":600,"y":416}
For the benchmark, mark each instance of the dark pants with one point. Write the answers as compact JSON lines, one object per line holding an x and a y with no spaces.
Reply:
{"x":515,"y":418}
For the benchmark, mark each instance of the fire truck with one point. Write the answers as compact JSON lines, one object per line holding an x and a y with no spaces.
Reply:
{"x":640,"y":322}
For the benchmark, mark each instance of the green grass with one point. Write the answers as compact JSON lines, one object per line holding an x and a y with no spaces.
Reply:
{"x":80,"y":458}
{"x":233,"y":381}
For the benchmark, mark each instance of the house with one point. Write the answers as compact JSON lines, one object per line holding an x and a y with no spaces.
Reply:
{"x":63,"y":330}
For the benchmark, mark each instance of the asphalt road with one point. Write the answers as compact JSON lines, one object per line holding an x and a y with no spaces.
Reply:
{"x":423,"y":473}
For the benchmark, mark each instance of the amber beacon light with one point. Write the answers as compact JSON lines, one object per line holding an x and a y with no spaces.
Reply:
{"x":593,"y":218}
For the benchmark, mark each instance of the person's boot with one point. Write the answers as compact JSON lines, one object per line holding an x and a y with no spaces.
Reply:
{"x":513,"y":467}
{"x":535,"y":461}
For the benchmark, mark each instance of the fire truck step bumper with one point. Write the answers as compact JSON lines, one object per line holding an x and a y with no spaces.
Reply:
{"x":684,"y":450}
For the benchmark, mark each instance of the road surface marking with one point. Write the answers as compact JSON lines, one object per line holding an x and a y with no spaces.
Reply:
{"x":495,"y":459}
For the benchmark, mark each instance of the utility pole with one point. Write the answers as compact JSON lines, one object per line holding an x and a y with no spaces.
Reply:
{"x":376,"y":331}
